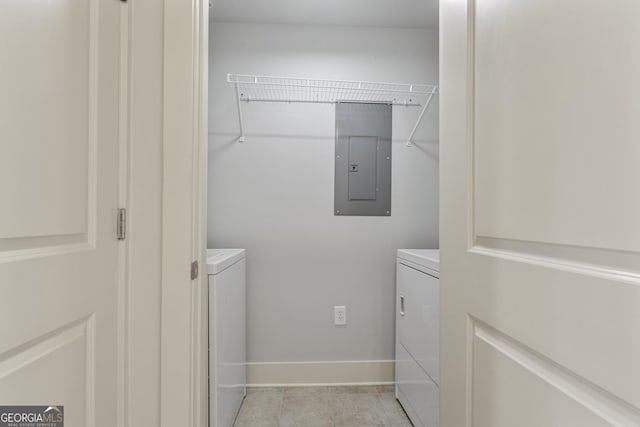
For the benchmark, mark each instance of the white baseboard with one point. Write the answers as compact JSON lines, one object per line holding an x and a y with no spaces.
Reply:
{"x":365,"y":372}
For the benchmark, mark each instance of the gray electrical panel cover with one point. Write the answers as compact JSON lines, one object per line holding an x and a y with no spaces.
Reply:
{"x":363,"y":159}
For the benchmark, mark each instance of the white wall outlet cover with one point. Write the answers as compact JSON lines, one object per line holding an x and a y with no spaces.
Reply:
{"x":340,"y":314}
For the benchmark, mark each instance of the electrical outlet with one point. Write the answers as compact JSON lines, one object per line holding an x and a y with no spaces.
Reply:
{"x":340,"y":315}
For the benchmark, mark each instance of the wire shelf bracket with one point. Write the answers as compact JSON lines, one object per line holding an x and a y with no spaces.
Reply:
{"x":420,"y":117}
{"x":251,"y":88}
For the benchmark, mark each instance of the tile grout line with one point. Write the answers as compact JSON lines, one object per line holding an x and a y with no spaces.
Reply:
{"x":331,"y":398}
{"x":283,"y":391}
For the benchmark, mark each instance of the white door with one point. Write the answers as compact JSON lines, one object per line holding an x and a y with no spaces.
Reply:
{"x":59,"y":98}
{"x":540,"y":152}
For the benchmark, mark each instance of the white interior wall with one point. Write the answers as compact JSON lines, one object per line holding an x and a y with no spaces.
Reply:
{"x":273,"y":194}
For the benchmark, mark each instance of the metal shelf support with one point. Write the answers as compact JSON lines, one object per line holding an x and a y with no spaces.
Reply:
{"x":241,"y":138}
{"x":420,"y":117}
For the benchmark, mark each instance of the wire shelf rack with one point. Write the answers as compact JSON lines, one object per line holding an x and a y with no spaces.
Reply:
{"x":253,"y":88}
{"x":291,"y":89}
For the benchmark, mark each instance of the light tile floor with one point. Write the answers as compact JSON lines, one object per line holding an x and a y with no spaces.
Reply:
{"x":322,"y":407}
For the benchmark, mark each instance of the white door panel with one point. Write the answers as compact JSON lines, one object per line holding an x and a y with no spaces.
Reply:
{"x":59,"y":73}
{"x":64,"y":360}
{"x":46,"y":109}
{"x":522,"y":398}
{"x":540,"y":240}
{"x":556,"y":130}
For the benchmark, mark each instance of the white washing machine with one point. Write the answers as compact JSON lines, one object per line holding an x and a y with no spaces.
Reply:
{"x":227,"y":334}
{"x":418,"y":334}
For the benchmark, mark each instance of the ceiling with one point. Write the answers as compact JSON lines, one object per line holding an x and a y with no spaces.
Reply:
{"x":371,"y":13}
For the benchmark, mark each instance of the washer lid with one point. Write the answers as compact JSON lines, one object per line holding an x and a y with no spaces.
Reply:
{"x":428,"y":258}
{"x":220,"y":259}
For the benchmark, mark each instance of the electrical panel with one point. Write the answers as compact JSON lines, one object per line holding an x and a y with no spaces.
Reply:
{"x":363,"y":159}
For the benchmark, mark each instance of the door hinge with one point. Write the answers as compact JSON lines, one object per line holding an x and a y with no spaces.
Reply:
{"x":121,"y":229}
{"x":194,"y":270}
